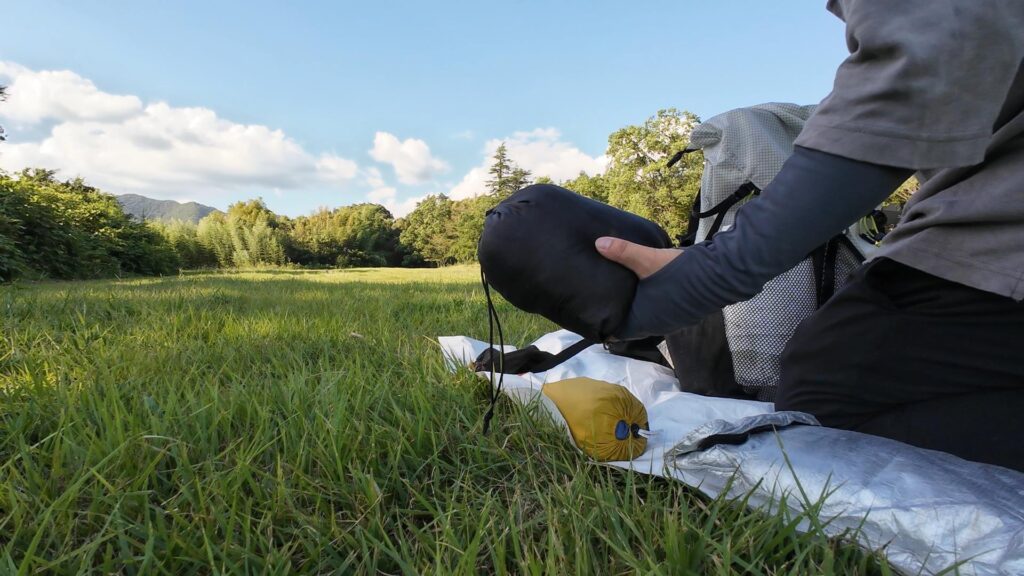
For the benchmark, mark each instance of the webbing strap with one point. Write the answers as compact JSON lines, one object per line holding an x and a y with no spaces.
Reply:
{"x":823,"y":262}
{"x":718,"y":211}
{"x":690,"y":238}
{"x":529,"y":359}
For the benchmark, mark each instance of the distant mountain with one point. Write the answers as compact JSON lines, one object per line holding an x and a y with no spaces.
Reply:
{"x":149,"y":209}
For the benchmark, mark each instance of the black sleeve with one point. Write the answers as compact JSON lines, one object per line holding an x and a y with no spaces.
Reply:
{"x":815,"y":196}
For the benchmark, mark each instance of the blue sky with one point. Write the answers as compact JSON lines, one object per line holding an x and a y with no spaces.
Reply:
{"x":310,"y":104}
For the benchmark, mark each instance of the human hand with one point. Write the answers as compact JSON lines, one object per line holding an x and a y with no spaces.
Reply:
{"x":642,"y":260}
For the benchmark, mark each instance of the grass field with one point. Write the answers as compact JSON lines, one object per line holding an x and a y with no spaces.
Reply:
{"x":303,"y":422}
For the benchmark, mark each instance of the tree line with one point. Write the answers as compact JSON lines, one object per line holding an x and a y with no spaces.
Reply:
{"x":51,"y":228}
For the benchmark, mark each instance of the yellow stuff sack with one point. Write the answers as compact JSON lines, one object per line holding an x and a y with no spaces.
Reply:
{"x":604,"y":419}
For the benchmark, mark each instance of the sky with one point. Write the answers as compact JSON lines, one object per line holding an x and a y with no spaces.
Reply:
{"x":310,"y":104}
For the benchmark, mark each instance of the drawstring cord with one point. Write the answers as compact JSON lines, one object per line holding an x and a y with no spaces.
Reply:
{"x":492,"y":321}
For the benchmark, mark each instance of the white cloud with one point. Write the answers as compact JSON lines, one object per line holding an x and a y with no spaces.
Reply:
{"x":540,"y":151}
{"x":60,"y":95}
{"x":381,"y":195}
{"x":335,"y":168}
{"x":474,"y":183}
{"x":121,"y":145}
{"x":402,"y":208}
{"x":373,"y":178}
{"x":411,"y":158}
{"x":388,"y":198}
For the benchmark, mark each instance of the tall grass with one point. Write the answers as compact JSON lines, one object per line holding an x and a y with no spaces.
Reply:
{"x":295,"y":422}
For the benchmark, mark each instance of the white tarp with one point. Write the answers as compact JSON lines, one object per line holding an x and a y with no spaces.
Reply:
{"x":929,"y":510}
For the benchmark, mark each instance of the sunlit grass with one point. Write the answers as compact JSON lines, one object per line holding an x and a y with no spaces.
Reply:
{"x":292,"y":421}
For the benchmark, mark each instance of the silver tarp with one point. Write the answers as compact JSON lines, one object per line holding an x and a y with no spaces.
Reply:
{"x":926,"y":510}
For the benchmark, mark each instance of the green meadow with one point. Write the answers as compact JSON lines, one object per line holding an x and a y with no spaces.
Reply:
{"x":280,"y":421}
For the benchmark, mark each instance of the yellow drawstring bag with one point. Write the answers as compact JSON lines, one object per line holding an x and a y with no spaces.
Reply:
{"x":604,"y":419}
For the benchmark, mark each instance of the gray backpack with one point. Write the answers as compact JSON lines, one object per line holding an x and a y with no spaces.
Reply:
{"x":743,"y":151}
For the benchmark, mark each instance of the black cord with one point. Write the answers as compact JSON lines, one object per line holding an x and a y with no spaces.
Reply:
{"x":492,"y":321}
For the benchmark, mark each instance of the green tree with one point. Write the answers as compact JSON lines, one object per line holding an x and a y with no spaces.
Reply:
{"x":315,"y":239}
{"x":357,"y":235}
{"x":500,"y":170}
{"x":31,"y":240}
{"x":595,"y":187}
{"x":428,"y":230}
{"x":248,"y":213}
{"x":468,"y":224}
{"x":372,"y":239}
{"x":519,"y":179}
{"x":506,"y":176}
{"x":67,"y":229}
{"x":183,"y":238}
{"x":248,"y":235}
{"x":255,"y":244}
{"x":637,"y":178}
{"x":214,"y":235}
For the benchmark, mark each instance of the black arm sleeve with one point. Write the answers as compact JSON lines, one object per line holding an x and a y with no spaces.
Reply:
{"x":815,"y":196}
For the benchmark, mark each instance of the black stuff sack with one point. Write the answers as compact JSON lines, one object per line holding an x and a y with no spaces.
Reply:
{"x":537,"y":250}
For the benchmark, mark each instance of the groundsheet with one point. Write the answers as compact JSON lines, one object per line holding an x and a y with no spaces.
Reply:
{"x":926,"y":510}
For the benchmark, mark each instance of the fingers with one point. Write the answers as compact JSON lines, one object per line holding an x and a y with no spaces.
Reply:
{"x":642,"y":260}
{"x":617,"y":250}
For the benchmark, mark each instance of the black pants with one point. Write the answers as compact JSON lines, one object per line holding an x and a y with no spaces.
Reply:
{"x":902,"y":354}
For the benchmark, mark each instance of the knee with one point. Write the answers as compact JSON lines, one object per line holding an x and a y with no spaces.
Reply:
{"x":826,"y":399}
{"x":788,"y":396}
{"x":802,"y":387}
{"x":792,"y":388}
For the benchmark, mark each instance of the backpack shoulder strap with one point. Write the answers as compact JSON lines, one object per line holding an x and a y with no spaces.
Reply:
{"x":823,"y":262}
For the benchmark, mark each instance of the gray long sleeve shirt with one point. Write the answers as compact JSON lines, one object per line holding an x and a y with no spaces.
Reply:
{"x":930,"y":85}
{"x":772,"y":233}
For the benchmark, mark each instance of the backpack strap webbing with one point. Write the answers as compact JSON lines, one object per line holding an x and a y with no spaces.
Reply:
{"x":823,"y":261}
{"x":718,"y":211}
{"x":529,"y":359}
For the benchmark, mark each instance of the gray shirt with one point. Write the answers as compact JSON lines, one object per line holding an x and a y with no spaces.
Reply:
{"x":930,"y":85}
{"x":938,"y":86}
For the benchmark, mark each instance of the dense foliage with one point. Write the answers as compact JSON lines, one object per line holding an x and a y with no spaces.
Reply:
{"x":637,"y":178}
{"x":66,"y":229}
{"x":357,"y":235}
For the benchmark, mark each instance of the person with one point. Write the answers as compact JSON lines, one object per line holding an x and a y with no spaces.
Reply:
{"x":925,"y":343}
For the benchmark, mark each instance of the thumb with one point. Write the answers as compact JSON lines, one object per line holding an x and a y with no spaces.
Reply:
{"x":622,"y":251}
{"x":642,"y":260}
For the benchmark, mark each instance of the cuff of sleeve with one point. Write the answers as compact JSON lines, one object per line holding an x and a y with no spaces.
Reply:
{"x":916,"y":153}
{"x":653,"y":311}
